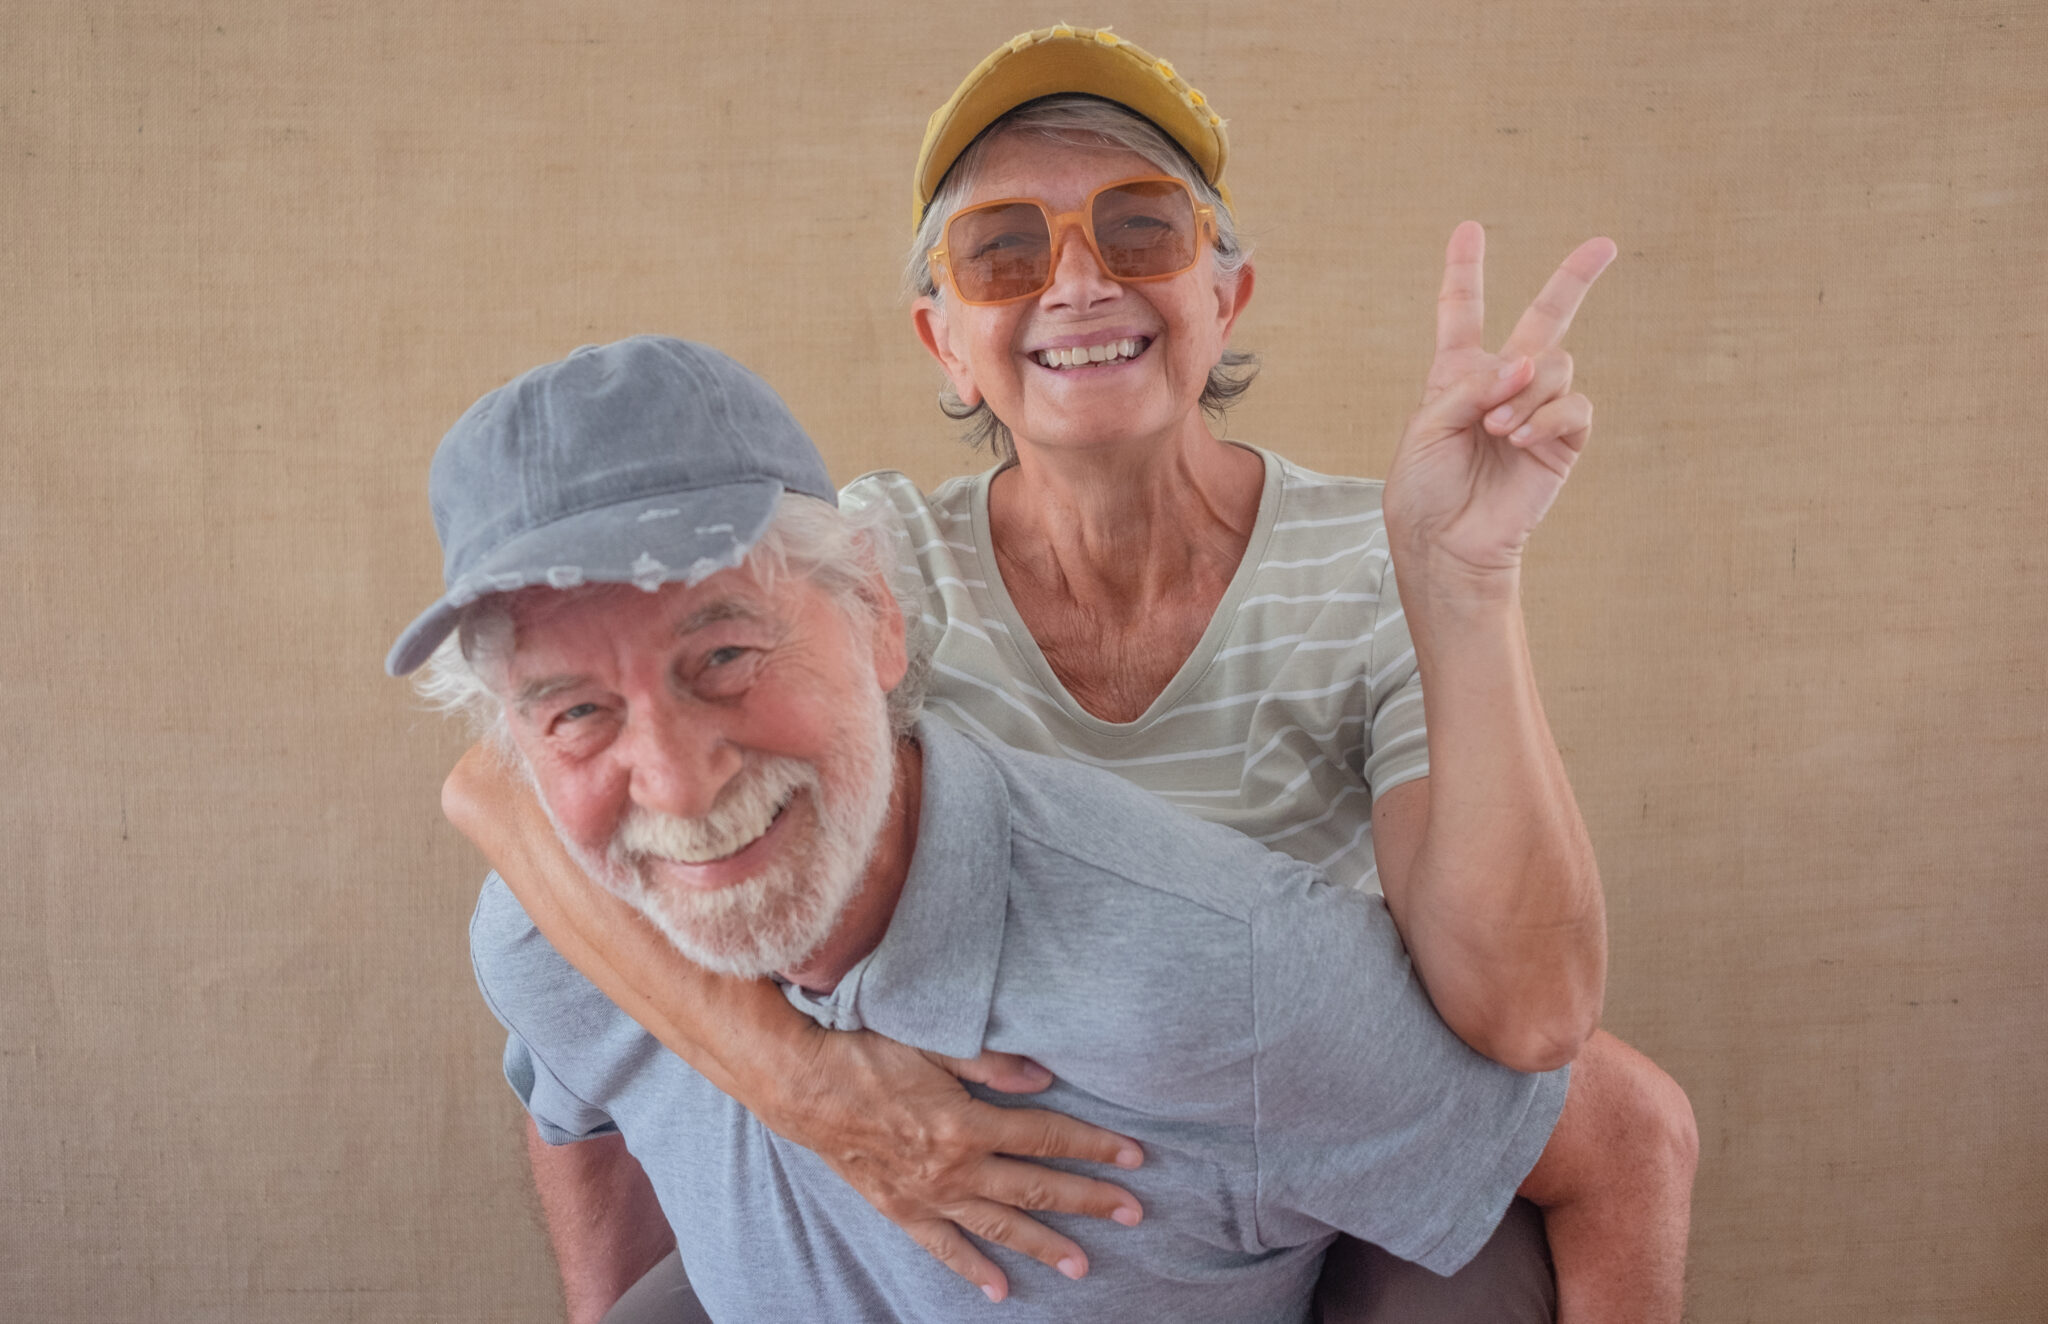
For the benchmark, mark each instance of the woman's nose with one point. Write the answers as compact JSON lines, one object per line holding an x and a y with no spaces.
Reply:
{"x":1078,"y":280}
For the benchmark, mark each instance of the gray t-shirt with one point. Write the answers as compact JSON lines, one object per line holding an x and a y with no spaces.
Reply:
{"x":1255,"y":1027}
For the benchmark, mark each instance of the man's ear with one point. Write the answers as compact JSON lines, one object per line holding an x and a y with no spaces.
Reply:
{"x":886,"y":635}
{"x":928,"y":315}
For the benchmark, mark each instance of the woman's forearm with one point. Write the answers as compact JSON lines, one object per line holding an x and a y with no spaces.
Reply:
{"x":894,"y":1122}
{"x":1501,"y":906}
{"x":741,"y":1034}
{"x":1504,"y":916}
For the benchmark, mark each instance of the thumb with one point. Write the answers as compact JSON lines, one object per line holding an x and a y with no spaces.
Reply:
{"x":999,"y":1071}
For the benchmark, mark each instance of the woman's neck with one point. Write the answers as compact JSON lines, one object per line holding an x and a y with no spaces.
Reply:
{"x":1121,"y":526}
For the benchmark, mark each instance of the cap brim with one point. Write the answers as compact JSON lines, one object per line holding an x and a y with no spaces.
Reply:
{"x":675,"y":537}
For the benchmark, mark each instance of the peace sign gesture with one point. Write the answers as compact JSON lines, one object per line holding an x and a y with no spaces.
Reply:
{"x":1496,"y":434}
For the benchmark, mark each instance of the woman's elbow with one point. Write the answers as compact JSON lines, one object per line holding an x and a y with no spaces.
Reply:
{"x":1529,"y":1037}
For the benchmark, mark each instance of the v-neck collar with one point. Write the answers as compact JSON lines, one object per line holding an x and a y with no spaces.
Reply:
{"x":1032,"y":658}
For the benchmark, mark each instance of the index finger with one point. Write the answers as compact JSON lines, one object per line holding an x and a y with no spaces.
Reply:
{"x":1545,"y":321}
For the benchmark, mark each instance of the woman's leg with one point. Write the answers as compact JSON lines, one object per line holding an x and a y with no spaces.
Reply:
{"x":1619,"y":1237}
{"x":1508,"y":1282}
{"x":1618,"y":1249}
{"x":662,"y":1296}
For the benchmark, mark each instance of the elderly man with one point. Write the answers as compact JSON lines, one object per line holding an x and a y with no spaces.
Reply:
{"x":655,"y":605}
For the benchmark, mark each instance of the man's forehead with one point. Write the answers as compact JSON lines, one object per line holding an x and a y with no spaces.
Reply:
{"x":549,"y":624}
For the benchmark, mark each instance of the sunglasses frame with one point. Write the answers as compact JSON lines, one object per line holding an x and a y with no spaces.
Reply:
{"x":1058,"y":223}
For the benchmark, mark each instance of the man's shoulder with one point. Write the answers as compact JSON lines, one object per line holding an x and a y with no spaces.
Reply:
{"x":528,"y":985}
{"x":501,"y":932}
{"x":1069,"y":816}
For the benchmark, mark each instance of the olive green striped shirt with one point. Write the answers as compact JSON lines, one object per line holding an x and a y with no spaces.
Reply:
{"x":1299,"y":704}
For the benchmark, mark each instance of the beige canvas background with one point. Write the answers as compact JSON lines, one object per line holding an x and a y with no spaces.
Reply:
{"x":1789,"y":615}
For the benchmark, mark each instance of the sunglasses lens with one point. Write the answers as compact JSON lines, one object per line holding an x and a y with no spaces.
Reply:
{"x":1145,"y":229}
{"x":1003,"y":251}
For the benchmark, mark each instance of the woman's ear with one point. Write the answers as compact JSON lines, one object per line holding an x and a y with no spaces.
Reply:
{"x":1231,"y":297}
{"x":934,"y":330}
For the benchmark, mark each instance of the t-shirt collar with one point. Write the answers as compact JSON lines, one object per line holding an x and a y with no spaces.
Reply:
{"x":930,"y":981}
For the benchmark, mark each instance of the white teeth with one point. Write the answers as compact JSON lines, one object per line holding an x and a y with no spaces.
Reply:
{"x":1107,"y":352}
{"x":738,"y":821}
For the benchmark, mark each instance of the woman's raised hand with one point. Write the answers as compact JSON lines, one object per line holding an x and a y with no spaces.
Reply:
{"x":1494,"y":439}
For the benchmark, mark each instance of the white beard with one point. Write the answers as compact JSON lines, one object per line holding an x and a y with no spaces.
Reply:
{"x":776,"y":919}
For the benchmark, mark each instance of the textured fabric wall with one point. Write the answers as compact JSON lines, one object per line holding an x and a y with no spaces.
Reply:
{"x":1789,"y":615}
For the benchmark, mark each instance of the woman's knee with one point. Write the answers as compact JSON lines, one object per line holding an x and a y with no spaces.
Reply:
{"x":1647,"y":1113}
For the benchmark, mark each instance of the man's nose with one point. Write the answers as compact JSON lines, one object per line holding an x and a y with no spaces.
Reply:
{"x":680,"y":759}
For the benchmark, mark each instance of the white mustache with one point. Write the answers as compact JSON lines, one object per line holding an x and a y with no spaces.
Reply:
{"x":745,"y":810}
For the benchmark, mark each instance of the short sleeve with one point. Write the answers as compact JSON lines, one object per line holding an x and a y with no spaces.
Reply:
{"x":1399,"y":750}
{"x":523,"y":979}
{"x":559,"y":1116}
{"x":1371,"y":1116}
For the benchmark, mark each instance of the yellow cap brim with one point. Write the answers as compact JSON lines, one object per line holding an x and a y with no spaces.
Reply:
{"x":1049,"y":61}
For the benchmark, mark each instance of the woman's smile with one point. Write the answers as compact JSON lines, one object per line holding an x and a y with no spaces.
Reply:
{"x":1092,"y":353}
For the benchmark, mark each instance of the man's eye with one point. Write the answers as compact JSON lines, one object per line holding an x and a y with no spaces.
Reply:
{"x":726,"y":673}
{"x":581,"y":710}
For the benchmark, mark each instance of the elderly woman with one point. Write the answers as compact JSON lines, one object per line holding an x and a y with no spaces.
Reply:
{"x":1217,"y":625}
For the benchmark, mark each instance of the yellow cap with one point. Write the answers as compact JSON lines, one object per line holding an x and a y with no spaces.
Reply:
{"x":1048,"y":61}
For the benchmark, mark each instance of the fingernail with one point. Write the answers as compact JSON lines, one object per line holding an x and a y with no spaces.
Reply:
{"x":1072,"y":1267}
{"x":989,"y":1290}
{"x":1130,"y":1156}
{"x":1521,"y":433}
{"x":1499,"y":417}
{"x":1126,"y":1215}
{"x":1509,"y":369}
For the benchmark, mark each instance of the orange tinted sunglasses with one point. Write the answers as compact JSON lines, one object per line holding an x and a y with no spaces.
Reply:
{"x":1140,"y":229}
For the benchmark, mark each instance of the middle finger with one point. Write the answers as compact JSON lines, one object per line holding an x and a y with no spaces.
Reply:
{"x":1543,"y":325}
{"x":1034,"y":1186}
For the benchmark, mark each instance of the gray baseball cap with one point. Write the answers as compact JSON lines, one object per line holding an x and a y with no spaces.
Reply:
{"x":641,"y":462}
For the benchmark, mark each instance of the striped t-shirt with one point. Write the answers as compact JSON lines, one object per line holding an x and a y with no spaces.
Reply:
{"x":1299,"y":704}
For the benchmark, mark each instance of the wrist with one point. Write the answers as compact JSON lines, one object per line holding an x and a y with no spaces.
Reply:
{"x":1428,"y":569}
{"x":772,"y":1057}
{"x":1443,"y":589}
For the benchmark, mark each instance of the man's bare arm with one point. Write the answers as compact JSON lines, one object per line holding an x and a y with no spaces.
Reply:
{"x":603,"y":1220}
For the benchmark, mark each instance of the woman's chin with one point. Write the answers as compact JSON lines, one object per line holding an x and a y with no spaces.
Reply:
{"x":1080,"y":422}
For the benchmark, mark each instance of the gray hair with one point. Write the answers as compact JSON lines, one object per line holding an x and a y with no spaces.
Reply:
{"x":1076,"y":119}
{"x":837,"y":550}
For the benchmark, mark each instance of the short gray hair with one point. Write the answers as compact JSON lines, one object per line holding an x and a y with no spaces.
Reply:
{"x":837,"y":550}
{"x":1087,"y":121}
